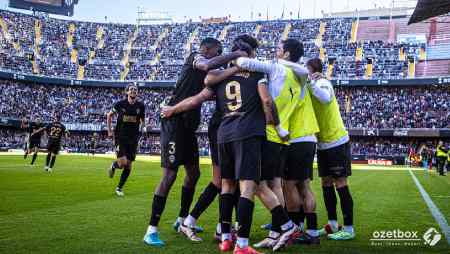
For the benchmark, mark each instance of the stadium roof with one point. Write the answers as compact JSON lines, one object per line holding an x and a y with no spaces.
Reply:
{"x":429,"y":8}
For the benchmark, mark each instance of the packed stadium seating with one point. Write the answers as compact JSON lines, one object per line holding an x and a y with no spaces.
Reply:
{"x":83,"y":50}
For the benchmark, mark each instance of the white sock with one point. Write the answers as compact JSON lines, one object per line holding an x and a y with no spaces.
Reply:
{"x":226,"y":236}
{"x":152,"y":229}
{"x":349,"y":229}
{"x":287,"y":225}
{"x":180,"y":220}
{"x":333,"y":224}
{"x":302,"y":226}
{"x":242,"y":242}
{"x":312,"y":232}
{"x":190,"y":221}
{"x":219,"y":228}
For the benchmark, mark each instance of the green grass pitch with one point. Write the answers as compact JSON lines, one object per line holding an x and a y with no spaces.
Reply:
{"x":73,"y":209}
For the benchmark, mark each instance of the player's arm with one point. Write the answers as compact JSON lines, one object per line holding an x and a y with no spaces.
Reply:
{"x":109,"y":117}
{"x":217,"y":76}
{"x":322,"y":90}
{"x":204,"y":64}
{"x":23,"y":123}
{"x":37,"y":131}
{"x":255,"y":65}
{"x":187,"y":104}
{"x":269,"y":108}
{"x":298,"y":70}
{"x":142,"y":119}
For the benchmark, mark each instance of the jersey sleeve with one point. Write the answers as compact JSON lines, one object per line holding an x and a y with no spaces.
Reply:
{"x":262,"y":79}
{"x":196,"y":59}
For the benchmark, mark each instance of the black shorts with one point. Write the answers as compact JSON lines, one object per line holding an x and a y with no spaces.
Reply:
{"x":34,"y":143}
{"x":178,"y":144}
{"x":53,"y":146}
{"x":335,"y":162}
{"x":126,"y":148}
{"x":273,"y":160}
{"x":299,"y":161}
{"x":213,"y":147}
{"x":241,"y":160}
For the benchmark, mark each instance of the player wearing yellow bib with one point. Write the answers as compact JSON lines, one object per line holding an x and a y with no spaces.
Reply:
{"x":333,"y":155}
{"x":441,"y":156}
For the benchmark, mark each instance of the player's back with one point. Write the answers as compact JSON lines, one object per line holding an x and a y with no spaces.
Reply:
{"x":190,"y":82}
{"x":55,"y":131}
{"x":238,"y":99}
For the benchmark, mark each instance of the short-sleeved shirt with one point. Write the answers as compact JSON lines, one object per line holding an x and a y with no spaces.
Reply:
{"x":190,"y":82}
{"x":238,"y":99}
{"x":55,"y":132}
{"x":128,"y":119}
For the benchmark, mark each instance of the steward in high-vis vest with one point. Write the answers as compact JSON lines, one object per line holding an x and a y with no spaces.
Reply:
{"x":441,"y":157}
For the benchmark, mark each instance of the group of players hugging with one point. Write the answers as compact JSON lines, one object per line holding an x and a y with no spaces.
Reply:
{"x":270,"y":119}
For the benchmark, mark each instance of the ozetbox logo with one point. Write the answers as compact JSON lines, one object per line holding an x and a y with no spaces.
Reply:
{"x":398,"y":237}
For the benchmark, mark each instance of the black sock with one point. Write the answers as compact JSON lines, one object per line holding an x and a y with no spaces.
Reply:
{"x":226,"y":211}
{"x":52,"y":163}
{"x":329,"y":197}
{"x":47,"y":161}
{"x":245,"y":217}
{"x":158,"y":205}
{"x":295,"y":217}
{"x":187,"y":195}
{"x":279,"y":218}
{"x":34,"y":158}
{"x":236,"y":196}
{"x":301,"y":215}
{"x":346,"y":205}
{"x":123,"y":178}
{"x":205,"y":200}
{"x":311,"y":221}
{"x":25,"y":155}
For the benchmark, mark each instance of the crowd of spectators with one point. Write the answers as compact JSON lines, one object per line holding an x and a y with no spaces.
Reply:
{"x":156,"y":52}
{"x":361,"y":107}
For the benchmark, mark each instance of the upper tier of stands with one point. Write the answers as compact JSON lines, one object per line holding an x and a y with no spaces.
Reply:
{"x":350,"y":48}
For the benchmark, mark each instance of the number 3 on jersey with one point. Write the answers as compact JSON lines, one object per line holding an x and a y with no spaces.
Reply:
{"x":172,"y":148}
{"x":233,"y":93}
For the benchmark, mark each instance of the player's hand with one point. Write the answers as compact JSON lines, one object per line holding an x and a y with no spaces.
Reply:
{"x":167,"y":111}
{"x":316,"y":76}
{"x":110,"y":133}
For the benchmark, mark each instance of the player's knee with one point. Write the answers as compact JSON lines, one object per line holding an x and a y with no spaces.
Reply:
{"x":327,"y":181}
{"x":248,"y":189}
{"x":228,"y":186}
{"x":340,"y":182}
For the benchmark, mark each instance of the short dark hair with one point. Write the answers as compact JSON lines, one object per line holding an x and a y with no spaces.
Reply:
{"x":295,"y":49}
{"x":210,"y":42}
{"x":129,"y":86}
{"x":315,"y":64}
{"x":250,"y":40}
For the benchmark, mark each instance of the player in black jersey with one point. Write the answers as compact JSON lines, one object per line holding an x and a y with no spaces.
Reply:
{"x":34,"y":138}
{"x":55,"y":131}
{"x":178,"y":139}
{"x":130,"y":118}
{"x":93,"y":144}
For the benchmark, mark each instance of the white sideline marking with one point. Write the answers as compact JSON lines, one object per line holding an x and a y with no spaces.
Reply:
{"x":438,"y":216}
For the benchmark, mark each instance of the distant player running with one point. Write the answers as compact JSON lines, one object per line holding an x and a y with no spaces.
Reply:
{"x":55,"y":132}
{"x":130,"y":119}
{"x":34,"y":138}
{"x":178,"y":138}
{"x":93,"y":144}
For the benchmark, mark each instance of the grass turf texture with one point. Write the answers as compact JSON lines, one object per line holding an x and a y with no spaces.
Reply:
{"x":74,"y":210}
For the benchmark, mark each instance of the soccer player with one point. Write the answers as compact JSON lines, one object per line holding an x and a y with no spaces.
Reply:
{"x":441,"y":156}
{"x":55,"y":131}
{"x":287,"y":85}
{"x":333,"y":155}
{"x":34,"y":138}
{"x":178,"y":138}
{"x":93,"y":144}
{"x":130,"y":119}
